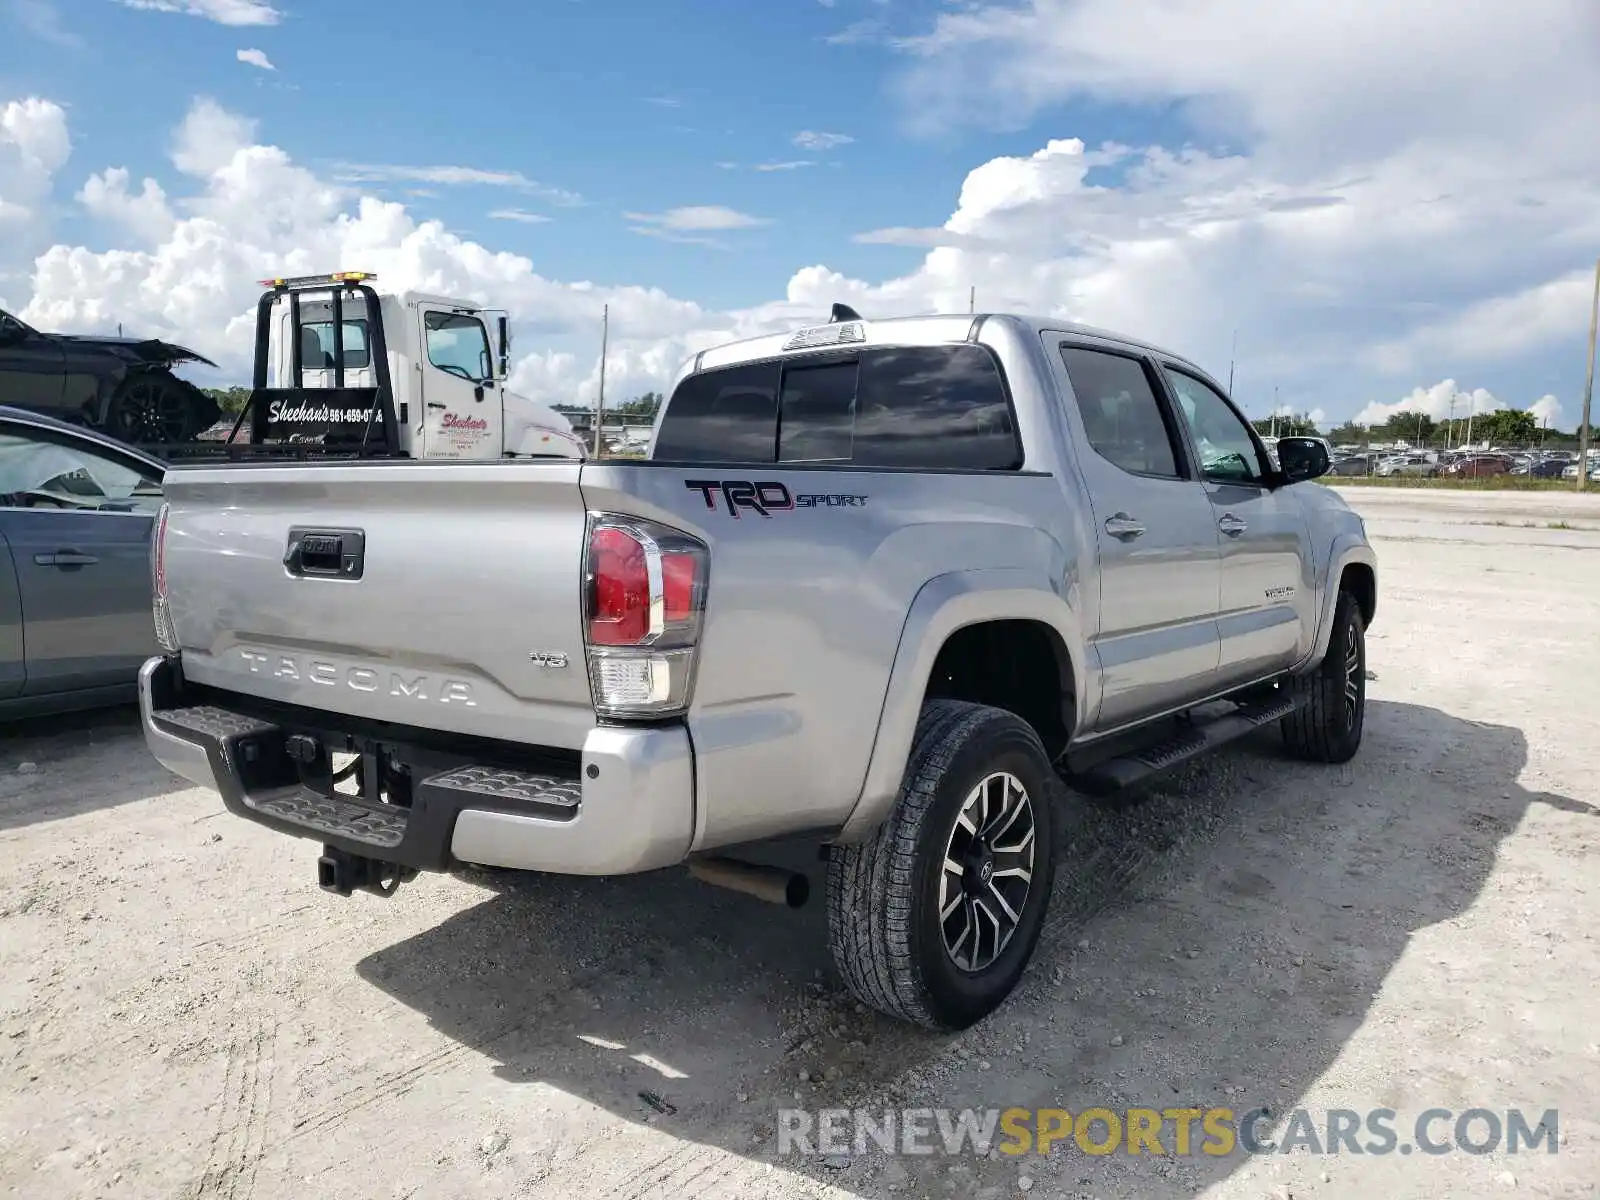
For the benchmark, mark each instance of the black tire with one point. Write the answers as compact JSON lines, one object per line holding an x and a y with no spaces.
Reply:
{"x":1327,"y":727}
{"x":884,"y":894}
{"x":148,"y":409}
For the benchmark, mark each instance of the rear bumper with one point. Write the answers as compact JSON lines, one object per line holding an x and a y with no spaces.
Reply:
{"x":626,"y":804}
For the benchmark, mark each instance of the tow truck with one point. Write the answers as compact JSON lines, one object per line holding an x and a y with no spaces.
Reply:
{"x":342,"y":370}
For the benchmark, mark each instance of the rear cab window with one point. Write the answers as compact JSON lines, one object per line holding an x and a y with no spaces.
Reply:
{"x":915,"y":407}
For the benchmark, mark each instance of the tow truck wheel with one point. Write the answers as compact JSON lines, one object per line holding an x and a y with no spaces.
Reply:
{"x":1327,"y":726}
{"x":153,"y":410}
{"x":934,"y":918}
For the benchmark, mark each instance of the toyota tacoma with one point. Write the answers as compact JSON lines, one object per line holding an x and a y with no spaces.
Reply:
{"x":912,"y":588}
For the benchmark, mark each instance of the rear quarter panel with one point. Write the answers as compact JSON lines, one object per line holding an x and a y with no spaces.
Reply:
{"x":805,"y":612}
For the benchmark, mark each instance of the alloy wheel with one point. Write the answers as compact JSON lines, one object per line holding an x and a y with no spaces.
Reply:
{"x":987,"y":871}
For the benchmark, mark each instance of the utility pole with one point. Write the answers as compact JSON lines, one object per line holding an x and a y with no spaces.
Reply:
{"x":1468,"y":442}
{"x":1588,"y":386}
{"x":1450,"y":424}
{"x":972,"y":300}
{"x":1233,"y":353}
{"x":600,"y":401}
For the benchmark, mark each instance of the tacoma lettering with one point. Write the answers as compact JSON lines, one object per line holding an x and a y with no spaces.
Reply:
{"x":398,"y":684}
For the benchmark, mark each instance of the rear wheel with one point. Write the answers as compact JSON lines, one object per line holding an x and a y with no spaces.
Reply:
{"x":934,"y":919}
{"x":1327,"y":726}
{"x":155,"y":409}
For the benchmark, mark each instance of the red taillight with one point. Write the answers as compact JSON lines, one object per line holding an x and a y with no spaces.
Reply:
{"x":644,"y":598}
{"x":159,"y":554}
{"x":620,"y":579}
{"x":678,"y":574}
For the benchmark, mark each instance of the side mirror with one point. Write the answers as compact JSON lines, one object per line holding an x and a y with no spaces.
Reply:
{"x":504,"y":329}
{"x":1302,"y":458}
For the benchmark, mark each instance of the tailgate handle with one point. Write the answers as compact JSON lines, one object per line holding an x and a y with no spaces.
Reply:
{"x":326,"y":553}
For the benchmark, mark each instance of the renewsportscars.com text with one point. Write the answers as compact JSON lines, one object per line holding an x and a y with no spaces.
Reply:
{"x":1215,"y":1132}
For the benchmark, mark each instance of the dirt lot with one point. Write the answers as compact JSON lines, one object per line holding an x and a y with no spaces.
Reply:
{"x":183,"y":1013}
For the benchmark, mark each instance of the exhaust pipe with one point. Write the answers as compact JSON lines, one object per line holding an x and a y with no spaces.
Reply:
{"x":772,"y":884}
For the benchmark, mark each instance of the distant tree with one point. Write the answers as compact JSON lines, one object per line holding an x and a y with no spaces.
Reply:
{"x":1506,"y":427}
{"x":230,"y":400}
{"x":1286,"y":426}
{"x":1411,"y":427}
{"x":1349,"y":434}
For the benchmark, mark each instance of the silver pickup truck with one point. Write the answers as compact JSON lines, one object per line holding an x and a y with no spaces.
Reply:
{"x":910,"y":588}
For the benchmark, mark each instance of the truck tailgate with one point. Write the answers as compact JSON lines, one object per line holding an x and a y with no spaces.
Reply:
{"x":465,"y":615}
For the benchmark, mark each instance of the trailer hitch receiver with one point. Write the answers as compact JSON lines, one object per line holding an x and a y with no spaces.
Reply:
{"x":342,"y":873}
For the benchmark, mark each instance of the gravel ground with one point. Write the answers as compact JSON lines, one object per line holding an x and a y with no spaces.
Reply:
{"x":183,"y":1013}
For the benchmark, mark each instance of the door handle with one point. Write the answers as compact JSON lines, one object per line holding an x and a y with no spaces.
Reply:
{"x":65,"y":558}
{"x":1121,"y":525}
{"x":1231,"y":525}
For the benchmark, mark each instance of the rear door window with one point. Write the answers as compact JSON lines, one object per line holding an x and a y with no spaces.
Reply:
{"x":919,"y":407}
{"x":1122,"y":418}
{"x":730,"y":415}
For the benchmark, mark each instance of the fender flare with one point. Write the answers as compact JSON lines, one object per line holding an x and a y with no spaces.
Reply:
{"x":943,"y":605}
{"x":1348,"y":549}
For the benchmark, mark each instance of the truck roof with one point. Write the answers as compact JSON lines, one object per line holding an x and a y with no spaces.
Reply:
{"x":402,"y":297}
{"x":928,"y":329}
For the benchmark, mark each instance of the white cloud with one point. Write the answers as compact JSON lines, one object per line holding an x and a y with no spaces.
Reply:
{"x":518,"y":214}
{"x":664,"y":101}
{"x":33,"y":133}
{"x":34,"y":146}
{"x":794,"y":164}
{"x":255,"y":58}
{"x":144,"y":214}
{"x":811,"y":139}
{"x":1446,"y":401}
{"x":223,"y":12}
{"x":1548,"y":412}
{"x":254,"y":212}
{"x":698,"y":218}
{"x":1316,"y":415}
{"x":870,"y":29}
{"x":209,"y":138}
{"x":455,"y":176}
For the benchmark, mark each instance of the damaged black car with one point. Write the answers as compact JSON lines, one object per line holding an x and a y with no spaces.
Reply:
{"x":122,"y":386}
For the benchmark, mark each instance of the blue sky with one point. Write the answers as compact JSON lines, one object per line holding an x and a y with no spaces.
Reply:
{"x":628,"y":103}
{"x":1383,"y":221}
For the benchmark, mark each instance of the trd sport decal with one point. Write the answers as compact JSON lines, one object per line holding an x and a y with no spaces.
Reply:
{"x":764,"y":499}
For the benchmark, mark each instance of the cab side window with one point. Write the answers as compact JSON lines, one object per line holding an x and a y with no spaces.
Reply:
{"x":458,"y":345}
{"x":1121,"y":415}
{"x":1228,"y":453}
{"x":43,"y":473}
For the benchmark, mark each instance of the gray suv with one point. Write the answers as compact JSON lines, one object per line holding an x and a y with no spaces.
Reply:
{"x":911,"y":587}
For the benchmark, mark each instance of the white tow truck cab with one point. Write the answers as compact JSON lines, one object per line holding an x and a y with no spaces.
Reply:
{"x":400,"y":375}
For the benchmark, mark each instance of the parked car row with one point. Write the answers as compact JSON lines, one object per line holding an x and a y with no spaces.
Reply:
{"x":1459,"y":464}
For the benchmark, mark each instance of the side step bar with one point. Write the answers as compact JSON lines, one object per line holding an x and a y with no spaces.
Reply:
{"x":1125,"y":770}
